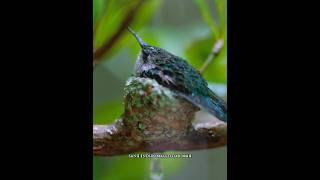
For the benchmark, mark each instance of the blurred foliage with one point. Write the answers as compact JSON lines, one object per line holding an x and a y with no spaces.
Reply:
{"x":198,"y":51}
{"x":108,"y":112}
{"x":191,"y":41}
{"x":125,"y":168}
{"x":107,"y":20}
{"x":205,"y":12}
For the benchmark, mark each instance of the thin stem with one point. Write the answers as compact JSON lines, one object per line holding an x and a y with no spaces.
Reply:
{"x":213,"y":54}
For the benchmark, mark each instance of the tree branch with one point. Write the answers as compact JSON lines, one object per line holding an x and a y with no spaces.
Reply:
{"x":105,"y":47}
{"x":155,"y":120}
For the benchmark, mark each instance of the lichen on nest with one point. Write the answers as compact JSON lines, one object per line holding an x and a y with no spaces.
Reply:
{"x":155,"y":113}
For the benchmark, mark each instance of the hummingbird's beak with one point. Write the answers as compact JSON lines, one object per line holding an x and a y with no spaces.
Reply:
{"x":139,"y":39}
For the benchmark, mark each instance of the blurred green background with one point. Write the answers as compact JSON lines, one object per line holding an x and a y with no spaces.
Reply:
{"x":187,"y":28}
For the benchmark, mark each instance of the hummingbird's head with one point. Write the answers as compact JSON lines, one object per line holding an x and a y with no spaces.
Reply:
{"x":147,"y":51}
{"x":147,"y":55}
{"x":139,"y":39}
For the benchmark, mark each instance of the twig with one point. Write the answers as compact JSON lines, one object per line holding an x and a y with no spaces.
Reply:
{"x":105,"y":47}
{"x":111,"y":144}
{"x":213,"y":53}
{"x":157,"y":120}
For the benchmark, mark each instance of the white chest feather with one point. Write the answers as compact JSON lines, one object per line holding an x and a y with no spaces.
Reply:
{"x":142,"y":65}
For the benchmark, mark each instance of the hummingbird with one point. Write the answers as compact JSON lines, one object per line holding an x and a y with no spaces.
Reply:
{"x":179,"y":76}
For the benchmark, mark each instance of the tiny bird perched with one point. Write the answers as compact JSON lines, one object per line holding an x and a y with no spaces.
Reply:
{"x":176,"y":74}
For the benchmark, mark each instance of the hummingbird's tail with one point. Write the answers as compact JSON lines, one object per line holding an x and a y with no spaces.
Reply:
{"x":212,"y":104}
{"x":214,"y":107}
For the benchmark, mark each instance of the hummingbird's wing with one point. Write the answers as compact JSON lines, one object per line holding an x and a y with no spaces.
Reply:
{"x":183,"y":79}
